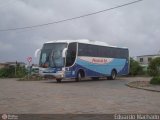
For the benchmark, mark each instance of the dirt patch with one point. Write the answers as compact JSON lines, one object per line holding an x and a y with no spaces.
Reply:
{"x":140,"y":84}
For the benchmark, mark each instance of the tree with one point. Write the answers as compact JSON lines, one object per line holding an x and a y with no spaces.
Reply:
{"x":154,"y":67}
{"x":135,"y":68}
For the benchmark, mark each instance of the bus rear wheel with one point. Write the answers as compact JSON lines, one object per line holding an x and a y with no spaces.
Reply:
{"x":113,"y":75}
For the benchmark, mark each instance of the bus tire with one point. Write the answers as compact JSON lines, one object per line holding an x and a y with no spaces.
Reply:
{"x":79,"y":76}
{"x":59,"y":80}
{"x":113,"y":75}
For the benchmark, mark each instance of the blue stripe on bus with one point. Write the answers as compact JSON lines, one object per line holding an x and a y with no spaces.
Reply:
{"x":104,"y":68}
{"x":88,"y":72}
{"x":94,"y":70}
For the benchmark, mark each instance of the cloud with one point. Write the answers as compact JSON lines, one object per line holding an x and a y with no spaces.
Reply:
{"x":135,"y":26}
{"x":4,"y":47}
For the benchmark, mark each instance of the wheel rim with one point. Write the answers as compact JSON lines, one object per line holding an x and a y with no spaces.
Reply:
{"x":113,"y":75}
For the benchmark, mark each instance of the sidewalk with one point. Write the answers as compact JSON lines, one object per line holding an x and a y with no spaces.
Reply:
{"x":145,"y":85}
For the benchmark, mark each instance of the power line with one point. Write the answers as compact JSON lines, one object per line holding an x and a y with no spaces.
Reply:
{"x":69,"y":19}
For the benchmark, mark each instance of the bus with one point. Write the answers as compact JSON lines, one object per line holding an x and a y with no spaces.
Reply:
{"x":79,"y":59}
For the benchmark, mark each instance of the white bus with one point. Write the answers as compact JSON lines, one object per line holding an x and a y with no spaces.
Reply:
{"x":82,"y":58}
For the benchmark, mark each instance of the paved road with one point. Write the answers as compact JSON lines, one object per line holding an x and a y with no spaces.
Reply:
{"x":103,"y":96}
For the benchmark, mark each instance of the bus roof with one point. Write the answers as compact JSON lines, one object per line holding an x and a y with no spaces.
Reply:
{"x":85,"y":41}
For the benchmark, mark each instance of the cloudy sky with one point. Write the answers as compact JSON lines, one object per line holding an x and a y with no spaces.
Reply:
{"x":136,"y":26}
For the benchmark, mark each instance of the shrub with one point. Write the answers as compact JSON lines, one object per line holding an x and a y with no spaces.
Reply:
{"x":3,"y":73}
{"x":20,"y":72}
{"x":135,"y":68}
{"x":7,"y":72}
{"x":155,"y":80}
{"x":10,"y":72}
{"x":154,"y":67}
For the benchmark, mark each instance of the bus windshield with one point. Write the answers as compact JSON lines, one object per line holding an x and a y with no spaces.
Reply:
{"x":51,"y":55}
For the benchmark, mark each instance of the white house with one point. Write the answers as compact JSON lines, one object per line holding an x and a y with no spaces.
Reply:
{"x":145,"y":59}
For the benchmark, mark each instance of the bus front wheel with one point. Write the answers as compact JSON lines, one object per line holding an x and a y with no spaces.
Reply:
{"x":59,"y":80}
{"x":79,"y":77}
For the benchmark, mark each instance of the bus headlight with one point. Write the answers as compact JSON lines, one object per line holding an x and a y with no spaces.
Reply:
{"x":60,"y":74}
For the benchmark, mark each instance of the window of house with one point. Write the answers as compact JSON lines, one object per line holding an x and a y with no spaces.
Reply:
{"x":141,"y":59}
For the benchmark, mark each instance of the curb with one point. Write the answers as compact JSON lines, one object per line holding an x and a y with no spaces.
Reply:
{"x":147,"y":89}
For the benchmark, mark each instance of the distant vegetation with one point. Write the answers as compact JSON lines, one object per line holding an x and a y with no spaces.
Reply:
{"x":135,"y":68}
{"x":13,"y":72}
{"x":155,"y":80}
{"x":154,"y":70}
{"x":154,"y":67}
{"x":20,"y":72}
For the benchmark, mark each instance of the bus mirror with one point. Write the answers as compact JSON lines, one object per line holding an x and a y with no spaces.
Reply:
{"x":36,"y":52}
{"x":64,"y":52}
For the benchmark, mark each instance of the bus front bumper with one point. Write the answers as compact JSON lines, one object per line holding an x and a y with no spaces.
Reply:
{"x":57,"y":75}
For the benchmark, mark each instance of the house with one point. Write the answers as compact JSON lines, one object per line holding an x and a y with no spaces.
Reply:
{"x":145,"y":59}
{"x":3,"y":65}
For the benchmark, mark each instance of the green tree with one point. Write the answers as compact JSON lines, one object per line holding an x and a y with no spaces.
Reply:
{"x":154,"y":67}
{"x":135,"y":68}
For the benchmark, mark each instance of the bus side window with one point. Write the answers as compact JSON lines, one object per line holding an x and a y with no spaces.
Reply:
{"x":82,"y":51}
{"x":71,"y":54}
